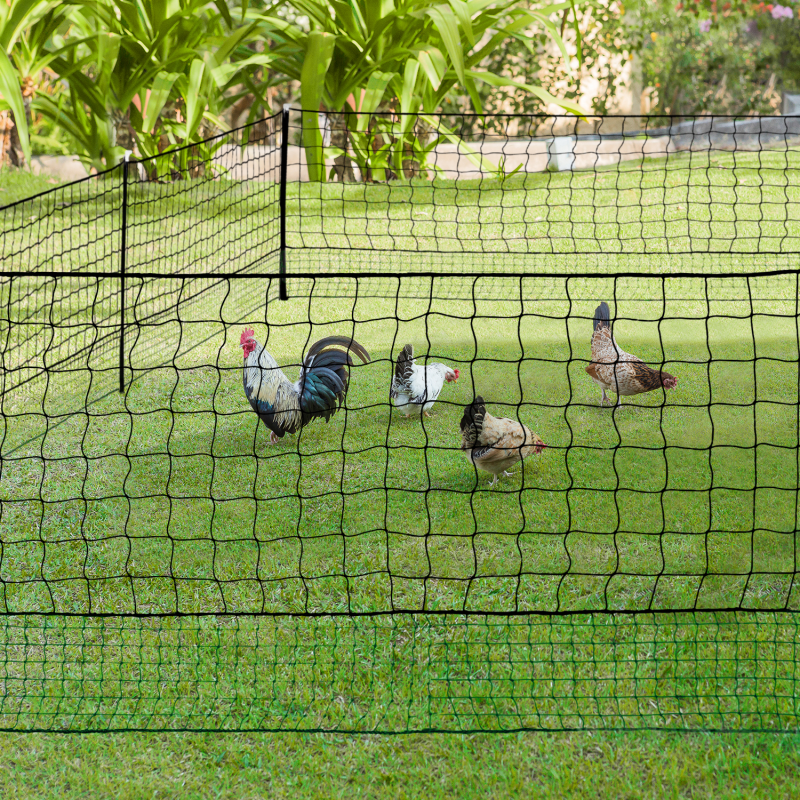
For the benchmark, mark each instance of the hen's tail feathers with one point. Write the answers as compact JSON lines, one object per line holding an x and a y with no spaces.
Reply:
{"x":337,"y":341}
{"x":602,"y":316}
{"x":404,"y":364}
{"x":472,"y":422}
{"x":403,"y":357}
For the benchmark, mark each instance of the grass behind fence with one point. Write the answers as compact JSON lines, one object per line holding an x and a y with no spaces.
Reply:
{"x":739,"y":202}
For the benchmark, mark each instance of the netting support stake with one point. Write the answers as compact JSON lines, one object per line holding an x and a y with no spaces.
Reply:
{"x":284,"y":158}
{"x":123,"y":246}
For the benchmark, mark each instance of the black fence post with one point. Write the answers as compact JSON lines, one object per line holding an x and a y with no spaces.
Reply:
{"x":284,"y":158}
{"x":123,"y":246}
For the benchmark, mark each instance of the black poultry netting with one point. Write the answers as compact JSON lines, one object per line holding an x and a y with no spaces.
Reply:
{"x":507,"y":522}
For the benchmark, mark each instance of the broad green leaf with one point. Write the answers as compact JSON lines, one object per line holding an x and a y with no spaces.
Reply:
{"x":348,"y":19}
{"x":464,"y":17}
{"x":225,"y":72}
{"x":312,"y":85}
{"x":472,"y":91}
{"x":543,"y":94}
{"x":332,"y":152}
{"x":11,"y":93}
{"x":375,"y":89}
{"x":193,"y":97}
{"x":446,"y":24}
{"x":223,"y":51}
{"x":107,"y":46}
{"x":224,"y":11}
{"x":157,"y":98}
{"x":409,"y":85}
{"x":375,"y":11}
{"x":433,"y":64}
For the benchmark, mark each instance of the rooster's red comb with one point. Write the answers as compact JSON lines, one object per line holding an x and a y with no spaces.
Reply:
{"x":247,"y":334}
{"x":457,"y":373}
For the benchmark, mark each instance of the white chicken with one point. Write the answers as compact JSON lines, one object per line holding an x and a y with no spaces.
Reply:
{"x":416,"y":388}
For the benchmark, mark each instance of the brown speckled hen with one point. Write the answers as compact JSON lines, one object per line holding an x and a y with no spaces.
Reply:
{"x":614,"y":370}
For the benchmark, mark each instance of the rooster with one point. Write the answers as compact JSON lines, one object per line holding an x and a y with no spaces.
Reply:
{"x":285,"y":407}
{"x":493,"y":444}
{"x":614,"y":370}
{"x":415,"y":386}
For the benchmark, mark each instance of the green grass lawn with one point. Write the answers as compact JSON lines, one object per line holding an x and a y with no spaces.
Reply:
{"x":170,"y":498}
{"x":596,"y":766}
{"x":311,"y":766}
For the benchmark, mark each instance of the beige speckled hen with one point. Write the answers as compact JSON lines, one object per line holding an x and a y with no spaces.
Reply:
{"x":493,"y":444}
{"x":614,"y":370}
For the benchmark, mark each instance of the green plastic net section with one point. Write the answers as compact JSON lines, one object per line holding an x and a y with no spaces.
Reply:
{"x":390,"y":674}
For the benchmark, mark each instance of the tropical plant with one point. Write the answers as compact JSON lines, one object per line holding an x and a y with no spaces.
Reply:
{"x":598,"y":31}
{"x":29,"y":42}
{"x":377,"y":66}
{"x":149,"y":74}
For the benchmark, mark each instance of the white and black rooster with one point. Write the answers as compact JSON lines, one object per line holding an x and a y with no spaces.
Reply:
{"x":285,"y":407}
{"x":415,"y":388}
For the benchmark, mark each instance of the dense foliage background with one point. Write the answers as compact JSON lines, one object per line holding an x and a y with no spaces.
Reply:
{"x":99,"y":77}
{"x":719,"y":57}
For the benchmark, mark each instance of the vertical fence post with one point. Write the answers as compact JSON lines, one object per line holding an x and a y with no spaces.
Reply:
{"x":122,"y":254}
{"x":284,"y":158}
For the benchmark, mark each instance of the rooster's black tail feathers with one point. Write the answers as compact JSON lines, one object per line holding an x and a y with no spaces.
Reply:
{"x":337,"y":341}
{"x":602,"y":316}
{"x":325,"y":376}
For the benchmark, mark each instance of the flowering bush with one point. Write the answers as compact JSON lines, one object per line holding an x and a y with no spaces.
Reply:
{"x":781,"y":11}
{"x":720,"y":58}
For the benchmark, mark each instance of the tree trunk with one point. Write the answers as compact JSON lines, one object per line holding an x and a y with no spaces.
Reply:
{"x":5,"y":138}
{"x":412,"y":168}
{"x":11,"y":153}
{"x":343,"y":164}
{"x":411,"y":165}
{"x":123,"y":130}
